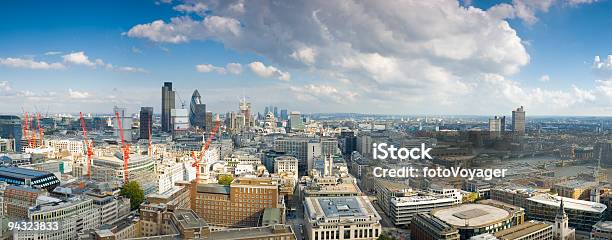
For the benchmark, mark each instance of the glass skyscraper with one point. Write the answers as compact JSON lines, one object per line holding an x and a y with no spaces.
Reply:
{"x":10,"y":127}
{"x":197,"y":111}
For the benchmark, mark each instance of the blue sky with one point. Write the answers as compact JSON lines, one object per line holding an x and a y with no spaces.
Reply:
{"x":312,"y":56}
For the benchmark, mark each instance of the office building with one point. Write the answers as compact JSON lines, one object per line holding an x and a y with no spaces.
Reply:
{"x":427,"y":227}
{"x":10,"y":128}
{"x":239,"y":205}
{"x":582,"y":214}
{"x":146,"y":122}
{"x":73,"y":215}
{"x":286,"y":165}
{"x":18,"y":199}
{"x":179,"y":121}
{"x":247,"y":112}
{"x":306,"y":149}
{"x":208,"y":124}
{"x":518,"y":121}
{"x":295,"y":122}
{"x":197,"y":111}
{"x":403,"y":209}
{"x":602,"y":231}
{"x":29,"y":177}
{"x":340,"y":218}
{"x":141,"y":168}
{"x":126,"y":124}
{"x":283,"y":115}
{"x":496,"y":127}
{"x":167,"y":105}
{"x":576,"y":189}
{"x":531,"y":230}
{"x":185,"y":224}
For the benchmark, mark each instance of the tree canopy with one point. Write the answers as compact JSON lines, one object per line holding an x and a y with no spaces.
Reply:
{"x":225,"y":179}
{"x":134,"y":192}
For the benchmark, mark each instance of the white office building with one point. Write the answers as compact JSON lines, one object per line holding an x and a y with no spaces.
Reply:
{"x":340,"y":218}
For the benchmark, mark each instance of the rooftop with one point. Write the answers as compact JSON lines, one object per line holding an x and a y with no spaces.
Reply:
{"x":251,"y":233}
{"x":569,"y":203}
{"x":18,"y":172}
{"x":605,"y":225}
{"x":471,"y":215}
{"x":187,"y":218}
{"x":521,"y":230}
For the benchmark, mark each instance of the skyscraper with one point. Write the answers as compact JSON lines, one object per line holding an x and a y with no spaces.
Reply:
{"x":276,"y":112}
{"x":495,"y":126}
{"x":10,"y":127}
{"x":284,"y":115}
{"x":167,"y":105}
{"x":295,"y":121}
{"x":126,"y":123}
{"x":518,"y":121}
{"x":197,"y":111}
{"x":146,"y":122}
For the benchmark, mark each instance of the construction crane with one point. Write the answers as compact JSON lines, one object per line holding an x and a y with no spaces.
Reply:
{"x":205,"y":145}
{"x":88,"y":144}
{"x":125,"y":148}
{"x":40,"y":130}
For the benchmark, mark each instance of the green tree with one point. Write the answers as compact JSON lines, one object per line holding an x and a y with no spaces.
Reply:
{"x":225,"y":179}
{"x":134,"y":192}
{"x":471,"y":197}
{"x":384,"y":236}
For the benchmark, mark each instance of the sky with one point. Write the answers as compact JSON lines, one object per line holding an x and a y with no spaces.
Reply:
{"x":393,"y":57}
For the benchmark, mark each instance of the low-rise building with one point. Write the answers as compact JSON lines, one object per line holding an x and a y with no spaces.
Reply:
{"x":531,"y":230}
{"x":602,"y":231}
{"x":341,"y":218}
{"x":427,"y":227}
{"x":403,"y":209}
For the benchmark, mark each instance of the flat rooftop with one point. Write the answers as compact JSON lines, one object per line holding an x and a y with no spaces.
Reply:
{"x":569,"y":203}
{"x":521,"y":230}
{"x":251,"y":233}
{"x":187,"y":218}
{"x":25,"y":173}
{"x":577,"y":184}
{"x":471,"y":215}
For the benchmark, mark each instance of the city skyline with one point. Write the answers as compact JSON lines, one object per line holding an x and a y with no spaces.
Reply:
{"x":480,"y":58}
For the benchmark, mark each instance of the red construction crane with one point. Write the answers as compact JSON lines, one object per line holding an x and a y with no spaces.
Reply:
{"x":40,"y":130}
{"x":88,"y":145}
{"x":205,"y":145}
{"x":125,"y":148}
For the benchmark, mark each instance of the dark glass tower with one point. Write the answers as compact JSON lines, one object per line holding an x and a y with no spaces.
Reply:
{"x":197,"y":111}
{"x":167,"y":105}
{"x":10,"y":127}
{"x":146,"y":121}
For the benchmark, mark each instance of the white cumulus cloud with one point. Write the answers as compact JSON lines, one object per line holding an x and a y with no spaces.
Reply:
{"x":269,"y":71}
{"x":29,"y":63}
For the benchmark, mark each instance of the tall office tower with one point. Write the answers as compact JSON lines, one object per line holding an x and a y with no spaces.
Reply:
{"x":208,"y":122}
{"x":126,"y":124}
{"x":197,"y":111}
{"x":276,"y":112}
{"x":284,"y":115}
{"x":518,"y":121}
{"x":266,"y":110}
{"x":495,"y":126}
{"x":146,"y":122}
{"x":10,"y":127}
{"x":295,"y":121}
{"x":245,"y":109}
{"x":179,"y":121}
{"x":503,"y":123}
{"x":167,"y":105}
